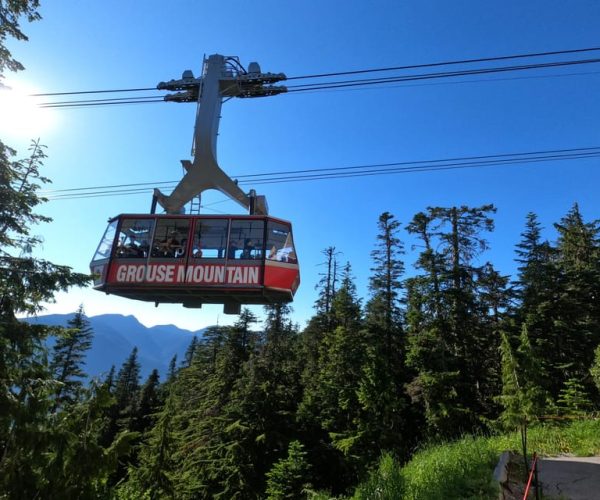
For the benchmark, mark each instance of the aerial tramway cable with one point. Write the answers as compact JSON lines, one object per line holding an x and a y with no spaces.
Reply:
{"x":372,"y":70}
{"x":332,"y":85}
{"x":454,"y":163}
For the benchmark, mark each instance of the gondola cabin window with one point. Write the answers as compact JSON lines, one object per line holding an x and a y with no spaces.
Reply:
{"x":280,"y":244}
{"x":106,"y":243}
{"x":170,"y":238}
{"x":246,"y":239}
{"x":134,"y":238}
{"x":210,"y":239}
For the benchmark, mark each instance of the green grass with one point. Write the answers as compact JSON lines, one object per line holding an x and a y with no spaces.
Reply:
{"x":463,"y":469}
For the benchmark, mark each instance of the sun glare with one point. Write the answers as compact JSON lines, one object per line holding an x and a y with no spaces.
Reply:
{"x":21,"y":117}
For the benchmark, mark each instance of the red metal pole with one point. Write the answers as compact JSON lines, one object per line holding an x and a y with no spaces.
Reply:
{"x":533,"y":467}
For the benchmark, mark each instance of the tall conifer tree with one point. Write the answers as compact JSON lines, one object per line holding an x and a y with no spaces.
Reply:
{"x":153,"y":477}
{"x":330,"y":404}
{"x":515,"y":398}
{"x":557,"y":286}
{"x":383,"y":420}
{"x":190,"y":351}
{"x":448,"y":328}
{"x":578,"y":307}
{"x":536,"y":289}
{"x":30,"y":436}
{"x":212,"y":461}
{"x":149,"y":403}
{"x":68,"y":355}
{"x":127,"y":390}
{"x":383,"y":309}
{"x":264,"y":401}
{"x":321,"y":322}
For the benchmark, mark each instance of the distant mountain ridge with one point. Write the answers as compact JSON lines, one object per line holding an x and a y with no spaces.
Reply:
{"x":116,"y":335}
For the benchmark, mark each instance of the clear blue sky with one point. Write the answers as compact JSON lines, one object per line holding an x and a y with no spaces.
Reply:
{"x":116,"y":44}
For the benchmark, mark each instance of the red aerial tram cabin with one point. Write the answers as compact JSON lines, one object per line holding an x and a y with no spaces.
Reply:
{"x":198,"y":259}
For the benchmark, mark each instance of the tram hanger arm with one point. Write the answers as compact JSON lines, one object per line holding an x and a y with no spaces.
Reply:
{"x":201,"y":176}
{"x":222,"y":77}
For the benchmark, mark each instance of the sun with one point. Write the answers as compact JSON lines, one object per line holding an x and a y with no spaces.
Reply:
{"x":21,"y":117}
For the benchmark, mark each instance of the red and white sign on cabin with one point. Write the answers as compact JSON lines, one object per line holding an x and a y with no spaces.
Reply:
{"x":201,"y":274}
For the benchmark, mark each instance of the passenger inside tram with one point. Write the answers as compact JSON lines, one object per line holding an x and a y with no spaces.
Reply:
{"x":246,"y":239}
{"x":129,"y":247}
{"x":210,"y":239}
{"x":249,"y":250}
{"x":170,"y":246}
{"x":133,"y":239}
{"x":170,"y":238}
{"x":232,"y":250}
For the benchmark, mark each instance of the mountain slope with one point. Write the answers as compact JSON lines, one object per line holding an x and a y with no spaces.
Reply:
{"x":116,"y":335}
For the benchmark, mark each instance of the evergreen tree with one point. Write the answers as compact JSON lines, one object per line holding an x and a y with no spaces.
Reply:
{"x":312,"y":336}
{"x":383,"y":421}
{"x":595,"y":368}
{"x":342,"y":352}
{"x":26,"y":383}
{"x":429,"y":346}
{"x":190,"y":351}
{"x":322,"y":321}
{"x":207,"y":349}
{"x":78,"y":465}
{"x":517,"y":405}
{"x":449,"y":330}
{"x":494,"y":308}
{"x":529,"y":373}
{"x":327,"y":284}
{"x":346,"y":310}
{"x":172,"y":372}
{"x":235,"y":408}
{"x":109,"y":380}
{"x":127,"y":390}
{"x":263,"y":403}
{"x":149,"y":403}
{"x":330,"y":405}
{"x":68,"y":355}
{"x":383,"y":309}
{"x":212,"y":462}
{"x":26,"y":282}
{"x":578,"y":309}
{"x":111,"y":413}
{"x":11,"y":14}
{"x":537,"y":290}
{"x":557,"y":286}
{"x":153,"y":477}
{"x":535,"y":277}
{"x":289,"y":476}
{"x":573,"y":399}
{"x":26,"y":391}
{"x":123,"y":416}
